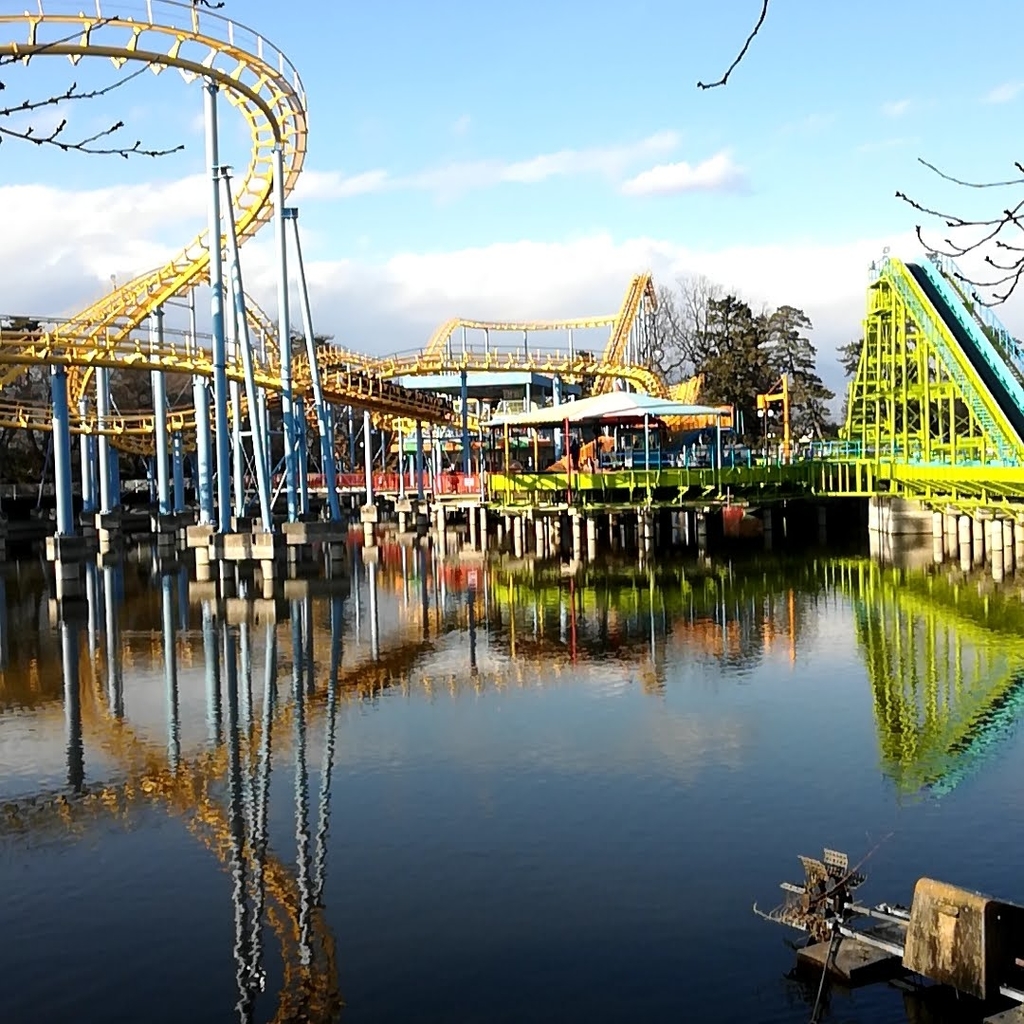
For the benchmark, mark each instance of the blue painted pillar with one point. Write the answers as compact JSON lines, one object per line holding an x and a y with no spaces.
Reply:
{"x":467,"y":464}
{"x":115,"y":476}
{"x":203,"y":475}
{"x":179,"y":472}
{"x":109,"y":497}
{"x":62,"y":451}
{"x":87,"y":459}
{"x":368,"y":455}
{"x":419,"y":459}
{"x":284,"y":335}
{"x":163,"y":481}
{"x":220,"y":376}
{"x":561,"y":441}
{"x":302,"y":451}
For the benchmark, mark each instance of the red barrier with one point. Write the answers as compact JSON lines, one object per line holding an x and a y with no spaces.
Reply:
{"x":389,"y":483}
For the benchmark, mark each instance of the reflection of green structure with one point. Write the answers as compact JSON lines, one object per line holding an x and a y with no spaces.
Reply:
{"x":946,"y":665}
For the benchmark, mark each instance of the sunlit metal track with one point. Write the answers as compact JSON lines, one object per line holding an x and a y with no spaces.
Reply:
{"x":265,"y":87}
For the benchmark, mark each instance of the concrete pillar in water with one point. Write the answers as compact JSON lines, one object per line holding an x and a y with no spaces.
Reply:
{"x":980,"y":540}
{"x":647,"y":530}
{"x":938,"y":535}
{"x":403,"y":522}
{"x":539,"y":539}
{"x":963,"y":526}
{"x":702,"y":531}
{"x":591,"y":537}
{"x":996,"y":540}
{"x":502,"y":529}
{"x":473,"y":524}
{"x":555,"y":538}
{"x":517,"y":536}
{"x":577,"y":537}
{"x":613,"y":530}
{"x":483,"y":527}
{"x":952,"y":535}
{"x":1008,"y":545}
{"x":1018,"y":541}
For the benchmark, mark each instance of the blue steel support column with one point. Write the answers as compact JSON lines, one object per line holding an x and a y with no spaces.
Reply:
{"x":284,"y":336}
{"x":467,"y":465}
{"x":62,"y":451}
{"x":557,"y":433}
{"x":253,"y":395}
{"x":179,"y":472}
{"x":204,"y":450}
{"x":419,"y":459}
{"x":109,"y":498}
{"x":368,"y":455}
{"x":302,"y":453}
{"x":322,"y":413}
{"x":220,"y":376}
{"x":115,"y":476}
{"x":163,"y":481}
{"x":86,"y":460}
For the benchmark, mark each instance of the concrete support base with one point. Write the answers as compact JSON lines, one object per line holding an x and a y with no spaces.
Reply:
{"x":70,"y":550}
{"x":898,"y":516}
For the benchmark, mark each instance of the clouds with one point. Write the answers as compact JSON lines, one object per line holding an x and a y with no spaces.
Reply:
{"x":717,"y":173}
{"x":896,"y":108}
{"x":1005,"y":93}
{"x":612,"y":163}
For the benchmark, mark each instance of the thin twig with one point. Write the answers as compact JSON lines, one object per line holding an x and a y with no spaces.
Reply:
{"x":732,"y":67}
{"x":972,"y":184}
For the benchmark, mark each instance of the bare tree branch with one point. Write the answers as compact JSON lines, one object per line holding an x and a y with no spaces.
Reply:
{"x":739,"y":57}
{"x":56,"y":137}
{"x":984,"y":233}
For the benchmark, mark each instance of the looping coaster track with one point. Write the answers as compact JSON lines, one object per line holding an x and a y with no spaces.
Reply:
{"x":264,"y":86}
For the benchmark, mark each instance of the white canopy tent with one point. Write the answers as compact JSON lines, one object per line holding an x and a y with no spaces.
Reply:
{"x":616,"y":405}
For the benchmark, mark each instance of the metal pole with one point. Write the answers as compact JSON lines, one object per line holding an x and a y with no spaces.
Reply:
{"x":401,"y":461}
{"x":62,"y":451}
{"x":322,"y":419}
{"x":284,"y":335}
{"x":201,"y":401}
{"x":302,"y":451}
{"x":103,"y":446}
{"x":368,"y":455}
{"x":467,"y":466}
{"x":85,"y":458}
{"x":260,"y":446}
{"x":178,"y":459}
{"x":419,"y":459}
{"x":163,"y":483}
{"x":220,"y":376}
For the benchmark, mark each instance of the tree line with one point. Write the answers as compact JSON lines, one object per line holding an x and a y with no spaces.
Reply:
{"x":700,"y":328}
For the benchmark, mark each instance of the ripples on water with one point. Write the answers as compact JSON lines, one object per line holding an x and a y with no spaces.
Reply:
{"x":472,"y":794}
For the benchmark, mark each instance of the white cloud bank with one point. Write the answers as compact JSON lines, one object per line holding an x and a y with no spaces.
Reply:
{"x":1005,"y":93}
{"x":717,"y":173}
{"x":53,"y":263}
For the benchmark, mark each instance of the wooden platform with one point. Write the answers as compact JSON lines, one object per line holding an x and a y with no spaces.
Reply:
{"x":855,"y":963}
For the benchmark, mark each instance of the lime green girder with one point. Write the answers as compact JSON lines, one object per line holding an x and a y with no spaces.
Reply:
{"x":916,"y":398}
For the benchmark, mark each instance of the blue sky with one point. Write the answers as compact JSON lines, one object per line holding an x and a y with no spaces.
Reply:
{"x":464,"y":155}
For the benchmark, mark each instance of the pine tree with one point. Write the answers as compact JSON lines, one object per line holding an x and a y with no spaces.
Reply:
{"x":849,"y":360}
{"x":792,"y":352}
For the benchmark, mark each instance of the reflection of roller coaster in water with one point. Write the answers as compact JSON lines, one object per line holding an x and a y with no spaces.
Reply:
{"x":944,"y":662}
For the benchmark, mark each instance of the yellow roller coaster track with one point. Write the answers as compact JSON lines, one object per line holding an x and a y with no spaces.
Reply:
{"x":265,"y":87}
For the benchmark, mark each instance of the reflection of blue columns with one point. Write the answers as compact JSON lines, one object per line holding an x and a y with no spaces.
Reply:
{"x":171,"y":673}
{"x":324,"y":428}
{"x":245,"y":688}
{"x":178,"y":459}
{"x":72,"y":706}
{"x":374,"y":619}
{"x":163,"y":482}
{"x":471,"y":611}
{"x":299,"y":668}
{"x":421,"y":569}
{"x":211,"y":657}
{"x":109,"y":498}
{"x":302,"y":456}
{"x":260,"y":831}
{"x":220,"y":375}
{"x":467,"y":465}
{"x":327,"y":766}
{"x":92,"y":604}
{"x":86,"y":459}
{"x":3,"y":621}
{"x":419,"y":459}
{"x":62,"y":451}
{"x":112,"y":642}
